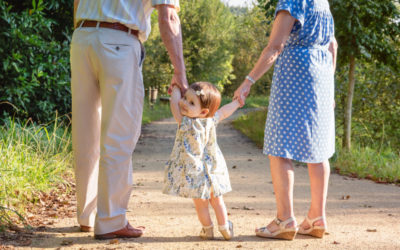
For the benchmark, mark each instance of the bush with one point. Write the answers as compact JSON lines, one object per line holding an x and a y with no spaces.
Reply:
{"x":35,"y":75}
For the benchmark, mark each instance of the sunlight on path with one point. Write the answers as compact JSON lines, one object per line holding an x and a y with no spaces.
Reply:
{"x":361,"y":214}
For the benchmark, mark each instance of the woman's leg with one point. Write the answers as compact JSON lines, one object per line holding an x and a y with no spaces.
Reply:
{"x":283,"y":180}
{"x":319,"y":178}
{"x":220,"y":209}
{"x":202,"y":212}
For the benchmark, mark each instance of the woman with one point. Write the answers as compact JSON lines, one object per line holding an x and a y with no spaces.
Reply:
{"x":300,"y":122}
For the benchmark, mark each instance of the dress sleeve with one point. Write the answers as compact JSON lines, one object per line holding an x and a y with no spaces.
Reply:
{"x":186,"y":123}
{"x":296,"y":8}
{"x":216,"y":118}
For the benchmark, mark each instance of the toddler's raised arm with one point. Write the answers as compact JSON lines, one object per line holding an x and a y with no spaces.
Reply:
{"x":174,"y":104}
{"x":228,"y":109}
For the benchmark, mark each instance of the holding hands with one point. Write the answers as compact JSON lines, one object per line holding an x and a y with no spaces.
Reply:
{"x":243,"y":91}
{"x":179,"y":80}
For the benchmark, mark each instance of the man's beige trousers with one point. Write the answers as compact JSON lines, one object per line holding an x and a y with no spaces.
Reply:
{"x":107,"y":105}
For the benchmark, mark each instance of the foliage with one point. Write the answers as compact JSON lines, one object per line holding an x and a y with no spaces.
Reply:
{"x":252,"y":125}
{"x":376,"y":161}
{"x":35,"y":71}
{"x":208,"y":30}
{"x":376,"y":106}
{"x":8,"y":216}
{"x":381,"y":165}
{"x":155,"y":112}
{"x":60,"y":11}
{"x":32,"y":158}
{"x":251,"y":38}
{"x":367,"y":29}
{"x":157,"y":69}
{"x":252,"y":102}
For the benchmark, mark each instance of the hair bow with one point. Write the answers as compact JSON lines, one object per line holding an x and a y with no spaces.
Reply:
{"x":199,"y":92}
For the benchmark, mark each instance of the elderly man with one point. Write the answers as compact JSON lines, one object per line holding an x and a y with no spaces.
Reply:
{"x":107,"y":103}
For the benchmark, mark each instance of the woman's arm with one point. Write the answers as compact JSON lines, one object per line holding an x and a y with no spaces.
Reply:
{"x":174,"y":104}
{"x":281,"y":29}
{"x":228,"y":109}
{"x":333,"y":49}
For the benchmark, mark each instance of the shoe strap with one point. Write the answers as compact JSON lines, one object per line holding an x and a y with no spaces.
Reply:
{"x":265,"y":230}
{"x":208,"y":227}
{"x":227,"y":226}
{"x":282,"y":224}
{"x":311,"y":221}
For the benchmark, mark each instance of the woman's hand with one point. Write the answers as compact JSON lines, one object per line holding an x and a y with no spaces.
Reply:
{"x":242,"y":92}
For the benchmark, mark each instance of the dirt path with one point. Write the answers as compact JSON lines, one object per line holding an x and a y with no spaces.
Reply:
{"x":361,"y":214}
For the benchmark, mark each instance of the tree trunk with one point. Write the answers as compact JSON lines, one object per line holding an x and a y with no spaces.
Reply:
{"x":349,"y":104}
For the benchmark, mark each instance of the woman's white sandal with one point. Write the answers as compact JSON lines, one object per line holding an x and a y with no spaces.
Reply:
{"x":282,"y":233}
{"x":207,"y":233}
{"x":315,"y":231}
{"x":226,"y":230}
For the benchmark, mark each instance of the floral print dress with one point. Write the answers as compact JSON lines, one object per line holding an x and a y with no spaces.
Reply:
{"x":196,"y":166}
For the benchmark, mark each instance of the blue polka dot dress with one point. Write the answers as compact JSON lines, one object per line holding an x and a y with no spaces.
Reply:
{"x":300,"y":123}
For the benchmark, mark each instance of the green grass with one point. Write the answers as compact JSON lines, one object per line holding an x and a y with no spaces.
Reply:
{"x":252,"y":125}
{"x":373,"y":162}
{"x":251,"y":101}
{"x":37,"y":158}
{"x":154,"y":112}
{"x":32,"y":159}
{"x":368,"y":162}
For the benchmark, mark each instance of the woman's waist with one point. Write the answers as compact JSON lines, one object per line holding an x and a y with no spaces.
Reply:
{"x":305,"y":47}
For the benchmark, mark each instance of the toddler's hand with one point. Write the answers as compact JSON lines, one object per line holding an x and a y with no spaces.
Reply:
{"x":171,"y":87}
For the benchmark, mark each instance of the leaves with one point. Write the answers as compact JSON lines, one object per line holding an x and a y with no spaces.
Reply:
{"x":30,"y":72}
{"x":208,"y":29}
{"x":366,"y":29}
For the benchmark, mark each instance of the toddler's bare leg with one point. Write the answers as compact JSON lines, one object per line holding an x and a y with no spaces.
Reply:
{"x":202,"y":212}
{"x":220,"y":209}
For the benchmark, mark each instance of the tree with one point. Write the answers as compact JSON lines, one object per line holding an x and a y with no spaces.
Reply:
{"x":207,"y":33}
{"x":252,"y":32}
{"x":35,"y":73}
{"x":365,"y":29}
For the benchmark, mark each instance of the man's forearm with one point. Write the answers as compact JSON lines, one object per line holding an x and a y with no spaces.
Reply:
{"x":171,"y":34}
{"x":76,"y":3}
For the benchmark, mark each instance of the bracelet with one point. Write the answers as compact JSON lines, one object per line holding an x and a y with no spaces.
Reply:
{"x":250,"y":79}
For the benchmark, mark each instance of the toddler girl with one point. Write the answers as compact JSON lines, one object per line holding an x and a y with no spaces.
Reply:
{"x":196,"y":168}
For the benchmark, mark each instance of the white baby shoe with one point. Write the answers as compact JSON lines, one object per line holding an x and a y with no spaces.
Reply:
{"x":226,"y":230}
{"x":207,"y":233}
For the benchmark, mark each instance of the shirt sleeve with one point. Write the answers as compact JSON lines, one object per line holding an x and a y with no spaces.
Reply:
{"x":168,"y":2}
{"x":296,"y":8}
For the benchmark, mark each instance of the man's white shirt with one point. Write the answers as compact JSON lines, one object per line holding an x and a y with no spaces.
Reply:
{"x":134,"y":14}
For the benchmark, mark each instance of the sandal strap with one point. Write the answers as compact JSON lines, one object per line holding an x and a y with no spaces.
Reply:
{"x":208,"y":227}
{"x":283,"y":224}
{"x":264,"y":230}
{"x":311,"y":221}
{"x":227,"y":226}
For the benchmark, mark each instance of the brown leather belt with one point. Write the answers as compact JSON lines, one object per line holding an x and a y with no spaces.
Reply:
{"x":115,"y":26}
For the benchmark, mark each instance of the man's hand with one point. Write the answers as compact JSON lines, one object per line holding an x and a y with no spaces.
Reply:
{"x":180,"y":81}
